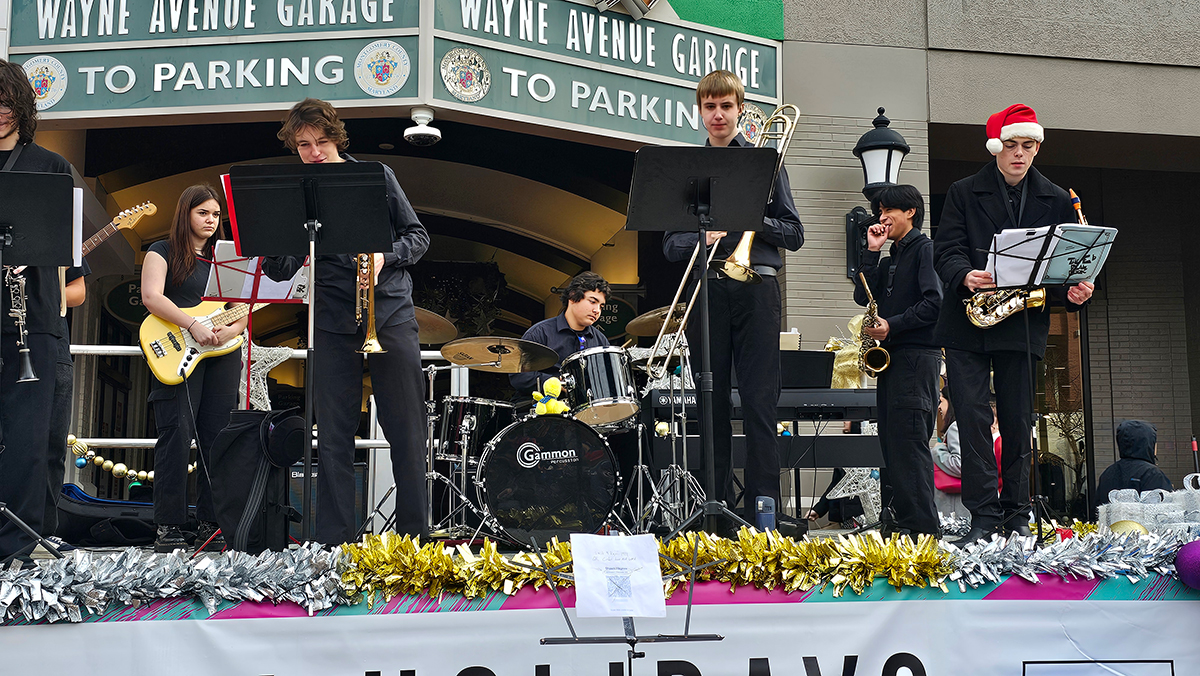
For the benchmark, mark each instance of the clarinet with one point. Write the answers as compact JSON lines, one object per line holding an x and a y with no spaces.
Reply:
{"x":17,"y":310}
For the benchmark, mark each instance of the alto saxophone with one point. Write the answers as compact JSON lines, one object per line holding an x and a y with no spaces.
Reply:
{"x":19,"y":312}
{"x":986,"y":309}
{"x":872,"y":359}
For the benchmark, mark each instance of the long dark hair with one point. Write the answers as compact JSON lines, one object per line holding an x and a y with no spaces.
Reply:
{"x":183,"y":258}
{"x":16,"y":93}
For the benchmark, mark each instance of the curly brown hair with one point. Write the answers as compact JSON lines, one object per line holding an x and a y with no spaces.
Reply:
{"x":319,"y":115}
{"x":16,"y":93}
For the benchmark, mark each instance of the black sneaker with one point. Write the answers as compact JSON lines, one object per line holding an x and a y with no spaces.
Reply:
{"x":209,"y":532}
{"x":169,"y":539}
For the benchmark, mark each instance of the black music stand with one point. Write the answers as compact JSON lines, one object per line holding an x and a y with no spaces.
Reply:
{"x":702,"y":189}
{"x":35,"y":233}
{"x":306,"y":209}
{"x":1084,"y":269}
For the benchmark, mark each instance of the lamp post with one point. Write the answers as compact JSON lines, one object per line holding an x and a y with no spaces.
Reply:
{"x":881,"y":151}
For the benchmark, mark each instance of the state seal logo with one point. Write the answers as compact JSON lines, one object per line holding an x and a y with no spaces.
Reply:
{"x":751,"y":122}
{"x":48,"y":78}
{"x":465,"y":74}
{"x":382,"y":68}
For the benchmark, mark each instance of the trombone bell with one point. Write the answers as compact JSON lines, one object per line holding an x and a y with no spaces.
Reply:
{"x":737,"y":266}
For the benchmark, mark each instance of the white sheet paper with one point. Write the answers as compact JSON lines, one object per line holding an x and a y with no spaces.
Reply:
{"x":1013,"y":253}
{"x":617,"y":576}
{"x":237,"y":278}
{"x":77,"y":227}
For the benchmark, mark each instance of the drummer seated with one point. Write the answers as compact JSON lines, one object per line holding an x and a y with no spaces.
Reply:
{"x":572,"y":330}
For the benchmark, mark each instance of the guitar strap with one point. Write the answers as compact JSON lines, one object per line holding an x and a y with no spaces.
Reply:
{"x":12,"y":159}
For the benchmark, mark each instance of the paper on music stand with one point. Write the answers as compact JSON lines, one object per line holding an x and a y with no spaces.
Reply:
{"x":232,"y":277}
{"x":1075,"y":253}
{"x":617,"y":576}
{"x":1079,"y":252}
{"x":77,"y":227}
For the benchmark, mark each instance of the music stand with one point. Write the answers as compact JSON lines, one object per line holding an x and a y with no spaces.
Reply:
{"x":1052,"y":244}
{"x":35,"y":233}
{"x":702,"y":189}
{"x":306,"y":209}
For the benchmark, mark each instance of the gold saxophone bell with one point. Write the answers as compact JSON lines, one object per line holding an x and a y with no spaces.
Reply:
{"x":778,"y":128}
{"x":872,"y":359}
{"x":364,"y":303}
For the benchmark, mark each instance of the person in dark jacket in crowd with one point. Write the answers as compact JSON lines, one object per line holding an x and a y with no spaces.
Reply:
{"x":1136,"y":442}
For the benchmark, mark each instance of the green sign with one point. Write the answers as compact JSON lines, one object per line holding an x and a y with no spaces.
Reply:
{"x":609,"y":103}
{"x":200,"y":76}
{"x":124,"y":301}
{"x":51,"y":25}
{"x":611,"y":41}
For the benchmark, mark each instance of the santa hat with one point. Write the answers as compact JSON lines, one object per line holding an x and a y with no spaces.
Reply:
{"x":1015,"y":121}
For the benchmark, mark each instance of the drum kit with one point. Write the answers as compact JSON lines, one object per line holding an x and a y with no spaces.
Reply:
{"x":519,"y":478}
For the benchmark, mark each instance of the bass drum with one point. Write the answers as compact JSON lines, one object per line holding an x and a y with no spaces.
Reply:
{"x":545,"y":477}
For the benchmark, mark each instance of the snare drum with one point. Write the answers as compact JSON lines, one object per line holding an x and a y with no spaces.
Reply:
{"x":601,"y":388}
{"x":467,"y":424}
{"x":545,"y":477}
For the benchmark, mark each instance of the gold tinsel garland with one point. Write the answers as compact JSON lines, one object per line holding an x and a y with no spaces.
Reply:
{"x":388,"y":565}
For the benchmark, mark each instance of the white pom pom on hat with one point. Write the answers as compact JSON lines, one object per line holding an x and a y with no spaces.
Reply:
{"x":1015,"y":121}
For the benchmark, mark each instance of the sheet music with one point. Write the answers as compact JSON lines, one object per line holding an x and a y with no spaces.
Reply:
{"x":1076,"y":253}
{"x":1079,"y":253}
{"x":233,"y":277}
{"x":1011,"y":256}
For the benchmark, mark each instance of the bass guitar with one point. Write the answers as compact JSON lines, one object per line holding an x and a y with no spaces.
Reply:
{"x":126,"y":219}
{"x":171,"y":351}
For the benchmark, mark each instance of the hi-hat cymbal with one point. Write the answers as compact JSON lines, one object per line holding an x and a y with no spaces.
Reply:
{"x":434,"y":329}
{"x":499,"y":355}
{"x":648,"y":324}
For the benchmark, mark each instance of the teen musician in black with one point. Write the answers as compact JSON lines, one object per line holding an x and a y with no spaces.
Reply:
{"x":908,"y":295}
{"x":174,"y":275}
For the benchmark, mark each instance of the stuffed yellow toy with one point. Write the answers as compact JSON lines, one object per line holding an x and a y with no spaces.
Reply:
{"x":549,"y":403}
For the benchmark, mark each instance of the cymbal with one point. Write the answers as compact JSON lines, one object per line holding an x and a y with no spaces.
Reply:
{"x":513,"y":354}
{"x":433,"y":328}
{"x":648,"y":324}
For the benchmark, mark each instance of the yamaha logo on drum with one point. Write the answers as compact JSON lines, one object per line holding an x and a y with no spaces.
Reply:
{"x":529,"y":455}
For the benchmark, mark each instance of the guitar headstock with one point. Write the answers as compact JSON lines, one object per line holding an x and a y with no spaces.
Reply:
{"x":129,"y":217}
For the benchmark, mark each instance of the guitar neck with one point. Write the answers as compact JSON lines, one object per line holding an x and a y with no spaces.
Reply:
{"x":233,"y":314}
{"x":97,"y":239}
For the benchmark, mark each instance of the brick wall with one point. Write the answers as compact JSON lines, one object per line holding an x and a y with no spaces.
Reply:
{"x":1138,"y":325}
{"x":826,"y":183}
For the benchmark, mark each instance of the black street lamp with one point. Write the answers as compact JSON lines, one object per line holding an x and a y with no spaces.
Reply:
{"x":881,"y":151}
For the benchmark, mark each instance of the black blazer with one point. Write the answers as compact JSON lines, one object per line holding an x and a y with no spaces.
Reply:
{"x":973,"y":213}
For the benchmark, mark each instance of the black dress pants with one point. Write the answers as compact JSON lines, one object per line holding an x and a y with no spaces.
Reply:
{"x":743,"y":335}
{"x":60,"y":422}
{"x":907,"y":393}
{"x":400,"y":398}
{"x":25,"y":425}
{"x":211,"y":392}
{"x":968,"y":375}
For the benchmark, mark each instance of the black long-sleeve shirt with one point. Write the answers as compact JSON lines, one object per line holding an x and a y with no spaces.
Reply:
{"x":556,"y":334}
{"x":782,"y":228}
{"x":907,"y":290}
{"x":337,"y":276}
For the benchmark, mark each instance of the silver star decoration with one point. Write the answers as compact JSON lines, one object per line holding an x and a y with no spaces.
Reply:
{"x":858,"y":483}
{"x":265,"y":359}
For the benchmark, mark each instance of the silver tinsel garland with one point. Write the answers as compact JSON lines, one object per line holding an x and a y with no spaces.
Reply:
{"x":92,"y":582}
{"x":82,"y":581}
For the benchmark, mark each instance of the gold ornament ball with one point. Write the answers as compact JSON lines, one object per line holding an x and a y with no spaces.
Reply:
{"x":142,"y":475}
{"x":119,"y":470}
{"x":71,"y":439}
{"x":662,"y":429}
{"x":107,"y":466}
{"x":1125,"y":526}
{"x":150,"y":475}
{"x":98,"y":460}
